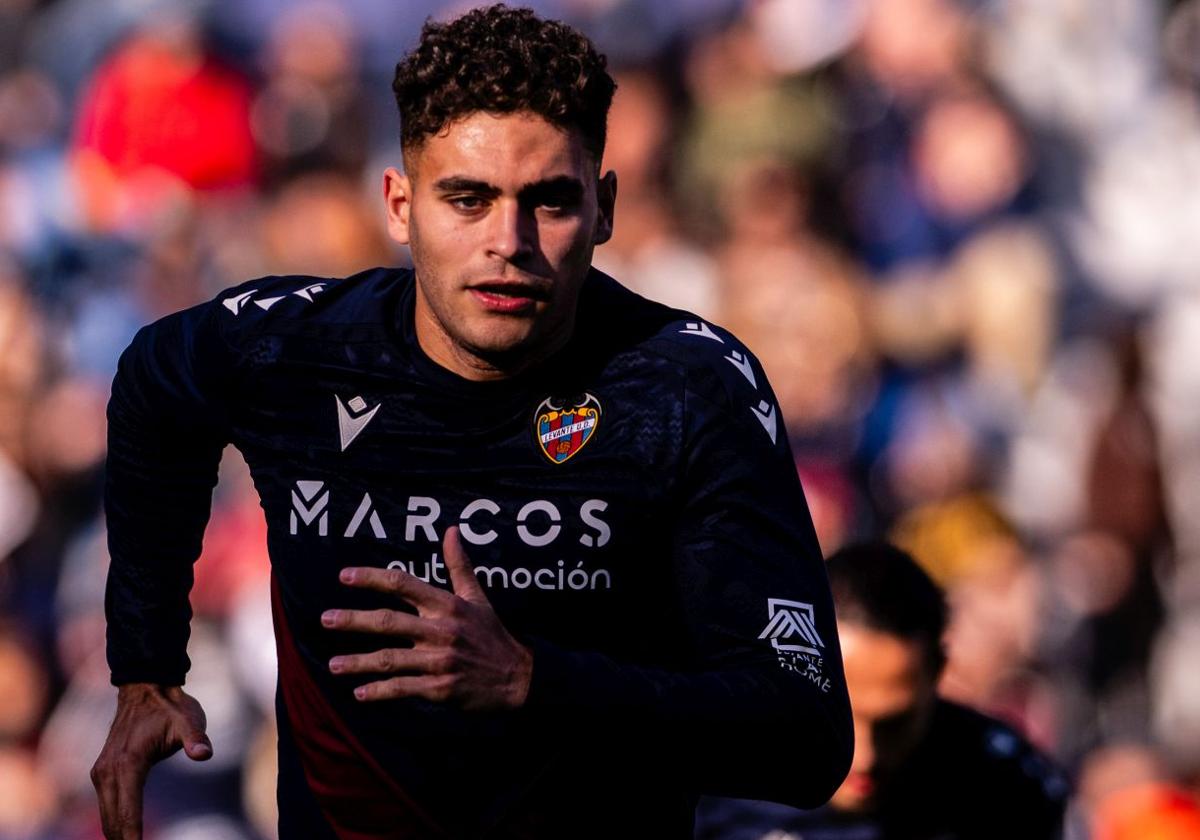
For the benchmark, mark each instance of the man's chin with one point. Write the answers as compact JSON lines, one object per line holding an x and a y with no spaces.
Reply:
{"x":501,"y":347}
{"x":509,"y":337}
{"x":499,"y":343}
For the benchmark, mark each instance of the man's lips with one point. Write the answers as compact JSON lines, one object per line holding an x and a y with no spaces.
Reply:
{"x":501,"y":296}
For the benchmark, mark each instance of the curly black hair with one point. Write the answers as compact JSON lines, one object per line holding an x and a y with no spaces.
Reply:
{"x":502,"y":60}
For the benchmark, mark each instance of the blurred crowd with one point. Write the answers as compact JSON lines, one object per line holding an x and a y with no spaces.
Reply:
{"x":962,"y":236}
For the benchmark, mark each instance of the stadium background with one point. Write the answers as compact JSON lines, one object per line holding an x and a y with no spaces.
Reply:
{"x":963,"y":238}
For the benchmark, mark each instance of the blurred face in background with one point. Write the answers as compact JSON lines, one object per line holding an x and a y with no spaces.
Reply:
{"x":892,"y":697}
{"x":501,"y":213}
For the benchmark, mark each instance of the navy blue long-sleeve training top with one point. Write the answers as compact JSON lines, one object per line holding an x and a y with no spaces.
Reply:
{"x":630,"y":506}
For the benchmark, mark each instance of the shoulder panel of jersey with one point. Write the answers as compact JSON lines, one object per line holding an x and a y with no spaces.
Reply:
{"x":294,"y":303}
{"x":711,"y":357}
{"x":721,"y":371}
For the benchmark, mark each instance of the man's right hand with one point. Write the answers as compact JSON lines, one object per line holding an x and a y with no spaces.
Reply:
{"x":152,"y":722}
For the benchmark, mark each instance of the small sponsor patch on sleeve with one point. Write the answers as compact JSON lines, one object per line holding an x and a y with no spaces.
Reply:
{"x":792,"y":631}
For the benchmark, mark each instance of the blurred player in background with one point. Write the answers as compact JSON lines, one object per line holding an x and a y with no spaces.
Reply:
{"x":644,"y":615}
{"x":924,"y":767}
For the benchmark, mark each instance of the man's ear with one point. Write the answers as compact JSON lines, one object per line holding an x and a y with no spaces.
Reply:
{"x":606,"y":197}
{"x":397,"y":195}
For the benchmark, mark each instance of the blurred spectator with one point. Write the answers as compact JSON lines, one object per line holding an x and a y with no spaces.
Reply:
{"x":1126,"y":794}
{"x":1175,"y":696}
{"x":311,"y":112}
{"x":834,"y":501}
{"x":28,"y":800}
{"x":319,"y":223}
{"x":24,"y":688}
{"x":647,"y":250}
{"x":794,"y":299}
{"x":15,"y":16}
{"x":234,"y":558}
{"x":992,"y":642}
{"x":923,"y":767}
{"x":743,"y":111}
{"x":159,"y":117}
{"x":913,"y":47}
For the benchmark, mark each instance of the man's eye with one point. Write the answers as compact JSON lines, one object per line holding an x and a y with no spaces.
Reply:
{"x":466,"y":202}
{"x":557,"y":204}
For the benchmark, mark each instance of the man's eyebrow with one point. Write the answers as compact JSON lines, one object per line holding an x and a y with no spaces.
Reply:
{"x":459,"y":183}
{"x":562,"y":185}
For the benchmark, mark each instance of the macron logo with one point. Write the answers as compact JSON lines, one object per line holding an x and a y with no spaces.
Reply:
{"x":791,"y":627}
{"x":701,"y":330}
{"x":235,"y":304}
{"x":765,"y":412}
{"x":742,"y":363}
{"x":353,"y":417}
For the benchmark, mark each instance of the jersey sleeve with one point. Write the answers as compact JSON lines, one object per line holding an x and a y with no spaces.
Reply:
{"x":167,"y":426}
{"x":764,"y":714}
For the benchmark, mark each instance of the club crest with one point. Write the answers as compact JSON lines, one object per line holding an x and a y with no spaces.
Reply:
{"x":563,"y":426}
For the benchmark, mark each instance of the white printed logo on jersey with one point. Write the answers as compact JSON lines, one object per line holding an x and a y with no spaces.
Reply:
{"x":308,"y":506}
{"x":765,"y":412}
{"x":742,"y":363}
{"x":792,"y":628}
{"x":308,"y":291}
{"x":701,"y":330}
{"x":353,"y":417}
{"x":366,"y":511}
{"x":235,"y":304}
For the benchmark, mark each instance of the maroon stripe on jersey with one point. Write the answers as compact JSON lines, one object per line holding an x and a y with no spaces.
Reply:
{"x":360,"y":800}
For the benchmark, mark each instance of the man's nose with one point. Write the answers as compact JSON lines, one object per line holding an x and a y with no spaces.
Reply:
{"x":512,"y":231}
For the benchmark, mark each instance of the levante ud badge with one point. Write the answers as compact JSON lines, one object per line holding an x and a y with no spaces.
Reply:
{"x":564,"y":426}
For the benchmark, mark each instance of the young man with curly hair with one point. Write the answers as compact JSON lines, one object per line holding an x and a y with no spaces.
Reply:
{"x":541,"y":563}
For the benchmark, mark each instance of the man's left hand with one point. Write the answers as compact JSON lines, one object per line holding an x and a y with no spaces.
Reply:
{"x":461,"y":653}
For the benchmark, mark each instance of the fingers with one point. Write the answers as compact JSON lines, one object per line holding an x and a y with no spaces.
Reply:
{"x":417,"y":592}
{"x":106,"y":794}
{"x":462,"y":573}
{"x":129,"y":804}
{"x":424,"y":596}
{"x":428,"y":687}
{"x":119,"y":791}
{"x":388,"y":622}
{"x":390,"y":661}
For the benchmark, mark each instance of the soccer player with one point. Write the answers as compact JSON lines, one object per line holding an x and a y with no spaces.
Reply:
{"x":924,"y":768}
{"x":541,"y":563}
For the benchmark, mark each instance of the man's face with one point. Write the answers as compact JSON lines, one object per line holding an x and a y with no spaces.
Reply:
{"x":501,"y":213}
{"x":892,"y":695}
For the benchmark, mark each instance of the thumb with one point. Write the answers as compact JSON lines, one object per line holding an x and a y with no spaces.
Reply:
{"x":190,"y":729}
{"x":197,"y":747}
{"x":462,"y":573}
